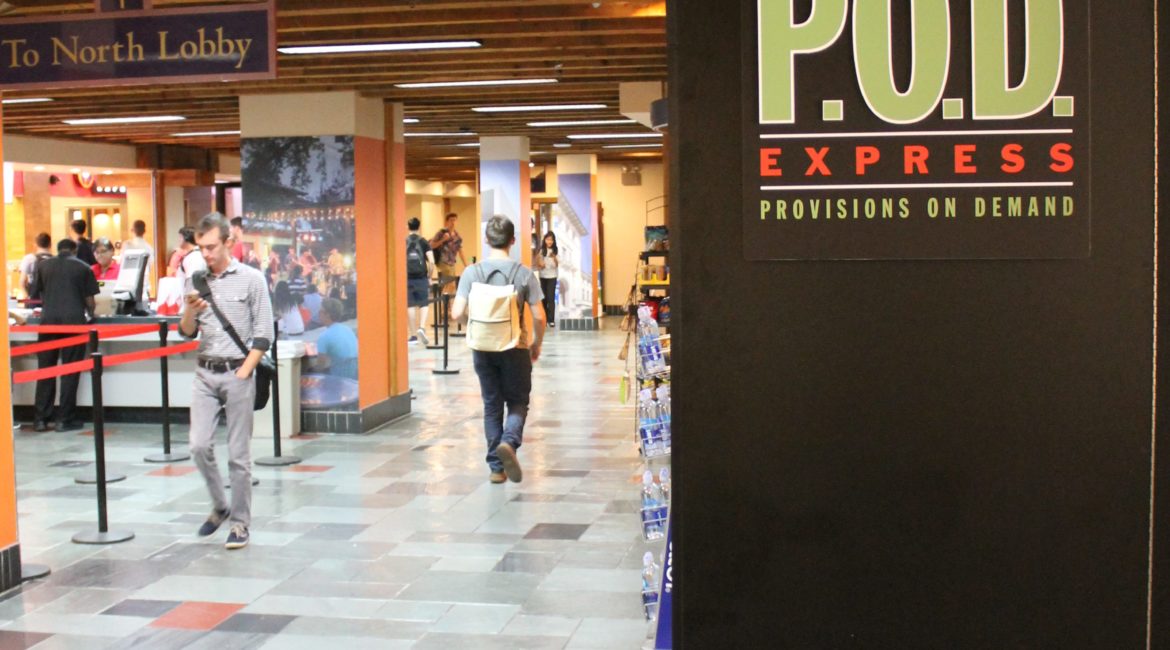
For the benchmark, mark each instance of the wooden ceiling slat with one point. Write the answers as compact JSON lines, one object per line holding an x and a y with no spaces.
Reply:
{"x":590,"y":50}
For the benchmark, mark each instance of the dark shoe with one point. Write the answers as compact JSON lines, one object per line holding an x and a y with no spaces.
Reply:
{"x":70,"y":425}
{"x":238,"y":538}
{"x":214,"y":521}
{"x":40,"y":425}
{"x":511,"y":466}
{"x":497,"y":477}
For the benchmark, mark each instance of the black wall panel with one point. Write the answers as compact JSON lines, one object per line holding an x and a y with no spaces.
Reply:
{"x":926,"y":454}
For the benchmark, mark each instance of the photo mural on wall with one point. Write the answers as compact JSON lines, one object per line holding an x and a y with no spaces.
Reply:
{"x":298,"y":199}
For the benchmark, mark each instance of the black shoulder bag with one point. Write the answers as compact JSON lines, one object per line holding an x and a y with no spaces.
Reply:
{"x":265,"y":370}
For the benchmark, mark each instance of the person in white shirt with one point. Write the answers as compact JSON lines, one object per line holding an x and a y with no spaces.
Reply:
{"x":191,"y":261}
{"x":137,"y":242}
{"x":286,"y":310}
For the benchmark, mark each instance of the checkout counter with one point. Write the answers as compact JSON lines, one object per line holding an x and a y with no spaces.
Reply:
{"x":136,"y":385}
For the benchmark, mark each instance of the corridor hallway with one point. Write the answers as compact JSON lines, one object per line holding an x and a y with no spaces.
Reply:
{"x":386,"y":541}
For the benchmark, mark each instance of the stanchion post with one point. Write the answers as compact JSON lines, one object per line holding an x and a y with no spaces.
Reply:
{"x":95,"y":379}
{"x":164,"y":331}
{"x":276,"y":460}
{"x":103,"y":534}
{"x":446,"y":329}
{"x":438,"y":311}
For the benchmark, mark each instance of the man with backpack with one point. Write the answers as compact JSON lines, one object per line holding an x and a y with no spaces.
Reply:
{"x":418,"y":282}
{"x":28,"y":265}
{"x":501,"y":301}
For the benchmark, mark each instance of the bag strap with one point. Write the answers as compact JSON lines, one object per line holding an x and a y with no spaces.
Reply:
{"x":227,"y":327}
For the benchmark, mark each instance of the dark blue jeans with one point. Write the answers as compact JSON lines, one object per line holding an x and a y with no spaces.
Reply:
{"x":505,"y":378}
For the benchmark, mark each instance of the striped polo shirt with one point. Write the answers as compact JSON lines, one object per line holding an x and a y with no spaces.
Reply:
{"x":241,"y":293}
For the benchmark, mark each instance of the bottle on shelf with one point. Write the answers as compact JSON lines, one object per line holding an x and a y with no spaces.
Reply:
{"x":649,"y":347}
{"x":649,"y":424}
{"x":650,"y":571}
{"x":653,"y":511}
{"x":664,"y":484}
{"x":663,"y":394}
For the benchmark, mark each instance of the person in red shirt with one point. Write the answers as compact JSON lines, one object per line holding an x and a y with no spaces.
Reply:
{"x":238,"y":248}
{"x":107,"y":267}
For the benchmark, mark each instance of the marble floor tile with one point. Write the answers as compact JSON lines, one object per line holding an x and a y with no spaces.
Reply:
{"x":394,"y":540}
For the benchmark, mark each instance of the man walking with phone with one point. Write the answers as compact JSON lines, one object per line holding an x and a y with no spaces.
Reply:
{"x":223,"y":374}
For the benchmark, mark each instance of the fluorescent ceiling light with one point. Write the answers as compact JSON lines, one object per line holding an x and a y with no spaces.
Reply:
{"x":27,"y":100}
{"x":410,"y":120}
{"x":562,"y":145}
{"x":198,"y":134}
{"x":484,"y":82}
{"x":468,"y":144}
{"x":441,"y":134}
{"x":39,"y":168}
{"x":125,"y":120}
{"x":613,"y":136}
{"x":538,"y":107}
{"x":582,"y":123}
{"x":632,"y":146}
{"x":379,"y":47}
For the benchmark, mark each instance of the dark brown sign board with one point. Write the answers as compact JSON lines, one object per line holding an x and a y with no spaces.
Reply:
{"x":210,"y":43}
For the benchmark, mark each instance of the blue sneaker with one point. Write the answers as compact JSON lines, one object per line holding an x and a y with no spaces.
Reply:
{"x":214,"y":521}
{"x":238,"y":538}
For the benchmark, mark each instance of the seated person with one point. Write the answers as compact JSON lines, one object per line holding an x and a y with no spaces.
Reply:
{"x":312,"y":302}
{"x":287,"y":312}
{"x":337,"y":347}
{"x":107,"y":267}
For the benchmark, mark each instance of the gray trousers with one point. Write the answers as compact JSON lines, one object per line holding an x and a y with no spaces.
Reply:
{"x":211,"y":391}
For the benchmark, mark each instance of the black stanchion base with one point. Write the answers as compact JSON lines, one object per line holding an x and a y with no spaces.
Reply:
{"x":458,"y":335}
{"x":277,"y":461}
{"x":33,"y":572}
{"x":99,"y":538}
{"x":445,"y":372}
{"x":92,"y":479}
{"x":434,"y":347}
{"x":255,"y":482}
{"x":167,"y":458}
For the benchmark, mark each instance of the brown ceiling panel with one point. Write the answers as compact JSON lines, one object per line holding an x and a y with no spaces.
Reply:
{"x":588,"y":46}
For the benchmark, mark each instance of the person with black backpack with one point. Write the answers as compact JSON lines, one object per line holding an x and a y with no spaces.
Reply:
{"x":418,"y":281}
{"x":501,"y":299}
{"x":28,"y":265}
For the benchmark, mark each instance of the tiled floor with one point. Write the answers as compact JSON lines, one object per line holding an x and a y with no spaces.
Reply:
{"x":393,"y":540}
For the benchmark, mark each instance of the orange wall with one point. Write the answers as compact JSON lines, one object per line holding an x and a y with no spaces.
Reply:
{"x":373,"y":309}
{"x":8,"y":534}
{"x":399,"y":359}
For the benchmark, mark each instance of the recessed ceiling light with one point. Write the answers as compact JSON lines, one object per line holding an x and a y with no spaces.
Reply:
{"x":379,"y":47}
{"x":613,"y":136}
{"x":562,"y":145}
{"x":75,"y":170}
{"x":26,"y":100}
{"x":441,"y":134}
{"x":125,"y":120}
{"x":410,"y":120}
{"x":483,"y":82}
{"x":632,"y":146}
{"x":108,"y":172}
{"x":39,"y":168}
{"x":199,"y":134}
{"x":468,"y":144}
{"x":538,"y":107}
{"x":582,"y":123}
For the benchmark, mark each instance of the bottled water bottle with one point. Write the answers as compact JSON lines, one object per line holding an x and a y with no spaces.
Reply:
{"x":650,"y":586}
{"x":649,"y":348}
{"x":664,"y":484}
{"x":664,"y":416}
{"x":649,"y":426}
{"x":651,"y":501}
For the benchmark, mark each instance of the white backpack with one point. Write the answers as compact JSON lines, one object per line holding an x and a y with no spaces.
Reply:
{"x":494,"y":316}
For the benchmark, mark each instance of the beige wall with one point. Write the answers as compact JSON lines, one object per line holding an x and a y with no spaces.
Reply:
{"x":624,"y":222}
